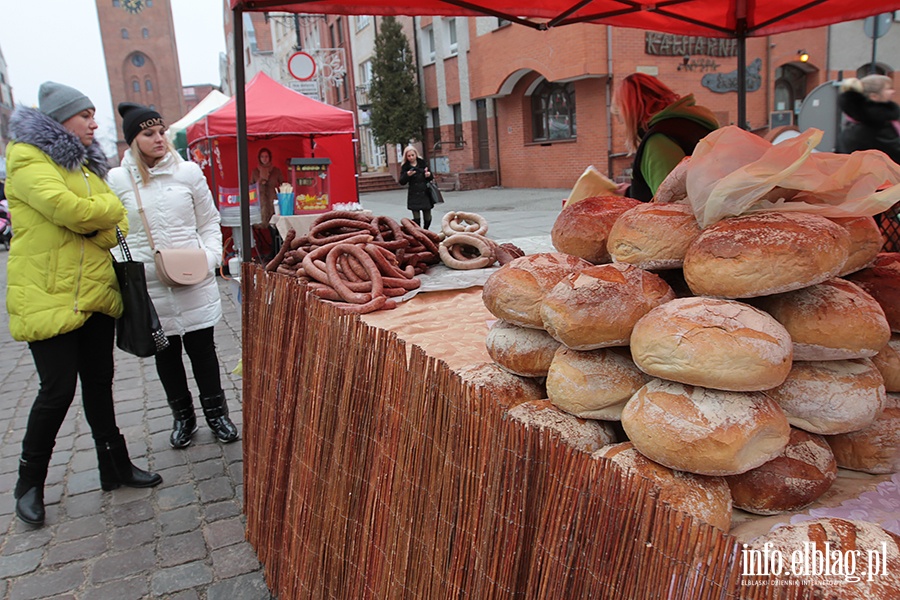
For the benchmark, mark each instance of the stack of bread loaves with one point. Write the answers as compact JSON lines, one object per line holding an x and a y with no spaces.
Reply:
{"x":763,"y":363}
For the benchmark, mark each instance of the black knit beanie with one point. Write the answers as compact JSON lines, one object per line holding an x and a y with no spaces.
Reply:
{"x":136,"y":118}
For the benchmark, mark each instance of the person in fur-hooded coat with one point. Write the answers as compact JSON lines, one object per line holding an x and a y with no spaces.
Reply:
{"x":62,"y":294}
{"x":872,"y":116}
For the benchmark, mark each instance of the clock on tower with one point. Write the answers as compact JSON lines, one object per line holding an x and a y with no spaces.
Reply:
{"x":133,"y":6}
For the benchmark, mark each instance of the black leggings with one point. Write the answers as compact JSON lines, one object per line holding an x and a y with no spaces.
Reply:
{"x":86,"y":353}
{"x":201,"y":349}
{"x":417,"y":216}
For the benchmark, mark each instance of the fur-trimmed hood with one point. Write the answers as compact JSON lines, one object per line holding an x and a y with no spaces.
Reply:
{"x":31,"y":126}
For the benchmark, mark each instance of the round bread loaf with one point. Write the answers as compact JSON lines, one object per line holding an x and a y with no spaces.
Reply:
{"x":832,"y":320}
{"x":506,"y":389}
{"x":514,"y":292}
{"x":582,"y":434}
{"x":581,"y":229}
{"x":705,"y":498}
{"x":598,"y":306}
{"x":866,"y":242}
{"x":882,"y":281}
{"x":831,"y":396}
{"x":703,"y":431}
{"x":803,"y":471}
{"x":888,"y":364}
{"x":874,"y":449}
{"x":520,"y":350}
{"x":863,"y":560}
{"x":653,"y":236}
{"x":593,"y":384}
{"x":720,"y":344}
{"x":674,"y":187}
{"x":765,"y":253}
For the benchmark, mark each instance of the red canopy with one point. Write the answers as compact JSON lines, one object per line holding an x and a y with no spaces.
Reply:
{"x":273,"y":109}
{"x":715,"y":18}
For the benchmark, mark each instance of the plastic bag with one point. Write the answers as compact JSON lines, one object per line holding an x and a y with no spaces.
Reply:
{"x":733,"y":172}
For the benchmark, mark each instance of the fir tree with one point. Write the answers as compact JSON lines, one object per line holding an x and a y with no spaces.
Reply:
{"x":398,"y":113}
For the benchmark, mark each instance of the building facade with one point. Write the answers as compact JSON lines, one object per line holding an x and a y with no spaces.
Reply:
{"x":6,"y":109}
{"x":512,"y":106}
{"x":141,"y":57}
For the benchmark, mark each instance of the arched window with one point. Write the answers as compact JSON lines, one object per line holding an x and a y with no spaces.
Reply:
{"x":866,"y":69}
{"x":148,"y":85}
{"x":136,"y":86}
{"x":124,"y":34}
{"x":553,"y":112}
{"x":145,"y":32}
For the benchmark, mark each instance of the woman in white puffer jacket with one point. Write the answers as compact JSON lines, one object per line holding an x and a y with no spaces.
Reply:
{"x":180,"y":213}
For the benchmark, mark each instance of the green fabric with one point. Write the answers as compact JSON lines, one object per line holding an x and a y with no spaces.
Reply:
{"x":59,"y":270}
{"x":661,"y":154}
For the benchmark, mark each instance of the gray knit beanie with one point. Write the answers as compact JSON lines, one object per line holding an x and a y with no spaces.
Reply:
{"x":61,"y":102}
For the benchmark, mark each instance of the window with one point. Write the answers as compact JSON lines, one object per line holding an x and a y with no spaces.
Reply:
{"x":136,"y":86}
{"x":365,"y":72}
{"x":250,"y":32}
{"x":553,"y":112}
{"x":429,"y":43}
{"x":340,"y":32}
{"x":362,"y":22}
{"x":148,"y":85}
{"x":137,"y":59}
{"x":115,"y":3}
{"x":436,"y":125}
{"x":452,"y":46}
{"x":149,"y":3}
{"x":458,"y":139}
{"x":145,"y":33}
{"x":502,"y":22}
{"x":124,"y":34}
{"x":331,"y":35}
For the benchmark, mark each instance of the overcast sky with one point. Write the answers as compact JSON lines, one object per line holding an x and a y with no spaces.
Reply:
{"x":59,"y":40}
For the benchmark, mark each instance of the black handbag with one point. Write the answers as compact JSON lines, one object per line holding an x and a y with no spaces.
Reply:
{"x":138,"y":330}
{"x":434,"y":192}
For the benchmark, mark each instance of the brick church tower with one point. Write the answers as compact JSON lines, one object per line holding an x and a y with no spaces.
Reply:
{"x":141,"y":57}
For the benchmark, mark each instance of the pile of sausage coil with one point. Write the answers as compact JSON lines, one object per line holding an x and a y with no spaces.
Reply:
{"x":360,"y":262}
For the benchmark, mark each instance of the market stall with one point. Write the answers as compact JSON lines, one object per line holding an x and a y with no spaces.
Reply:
{"x":288,"y":124}
{"x":177,"y":131}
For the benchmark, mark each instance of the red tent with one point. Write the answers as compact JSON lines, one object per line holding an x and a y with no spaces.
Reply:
{"x":286,"y":122}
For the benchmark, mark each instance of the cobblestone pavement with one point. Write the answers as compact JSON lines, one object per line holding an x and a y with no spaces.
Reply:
{"x":183,"y":540}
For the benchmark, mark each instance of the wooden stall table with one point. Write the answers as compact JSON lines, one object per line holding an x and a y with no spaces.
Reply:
{"x":374,"y":470}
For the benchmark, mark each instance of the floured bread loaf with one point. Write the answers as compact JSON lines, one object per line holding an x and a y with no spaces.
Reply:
{"x":709,"y":432}
{"x":581,"y":229}
{"x":593,"y":384}
{"x":582,"y":434}
{"x":874,"y":449}
{"x":882,"y":281}
{"x":831,"y":396}
{"x":674,"y":187}
{"x":597,"y":307}
{"x":832,"y":320}
{"x":705,"y":498}
{"x":765,"y":253}
{"x":653,"y":236}
{"x":803,"y":471}
{"x":843,"y":545}
{"x":505,"y":388}
{"x":888,"y":364}
{"x":866,"y":242}
{"x":521,"y":350}
{"x":514,"y":292}
{"x":720,"y":344}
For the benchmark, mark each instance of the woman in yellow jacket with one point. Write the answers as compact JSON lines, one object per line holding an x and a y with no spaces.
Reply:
{"x":62,"y":294}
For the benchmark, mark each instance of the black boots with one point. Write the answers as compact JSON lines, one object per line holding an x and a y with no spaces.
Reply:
{"x":29,"y":492}
{"x":185,"y":425}
{"x":216,"y":412}
{"x":116,"y":468}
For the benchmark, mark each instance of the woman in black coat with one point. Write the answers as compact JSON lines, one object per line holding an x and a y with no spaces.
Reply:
{"x":414,"y":171}
{"x":867,"y":102}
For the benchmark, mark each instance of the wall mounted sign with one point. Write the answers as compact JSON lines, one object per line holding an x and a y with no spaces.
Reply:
{"x":667,"y":44}
{"x":727,"y":82}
